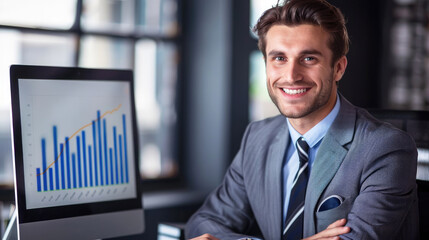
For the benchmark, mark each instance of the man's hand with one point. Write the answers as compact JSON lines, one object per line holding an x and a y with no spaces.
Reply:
{"x":205,"y":237}
{"x":332,"y":232}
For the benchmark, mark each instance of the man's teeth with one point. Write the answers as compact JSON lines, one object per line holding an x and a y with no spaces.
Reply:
{"x":294,"y":91}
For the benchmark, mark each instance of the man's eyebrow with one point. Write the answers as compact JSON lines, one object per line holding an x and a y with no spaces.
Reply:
{"x":303,"y":52}
{"x":311,"y":52}
{"x":275,"y":53}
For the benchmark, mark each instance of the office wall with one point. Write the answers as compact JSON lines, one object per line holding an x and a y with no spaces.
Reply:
{"x":206,"y":58}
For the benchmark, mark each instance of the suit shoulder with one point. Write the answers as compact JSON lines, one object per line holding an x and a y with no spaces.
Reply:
{"x":265,"y":130}
{"x":277,"y":120}
{"x":374,"y":129}
{"x":268,"y":126}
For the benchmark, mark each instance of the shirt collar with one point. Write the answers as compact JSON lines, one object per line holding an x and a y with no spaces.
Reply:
{"x":315,"y":134}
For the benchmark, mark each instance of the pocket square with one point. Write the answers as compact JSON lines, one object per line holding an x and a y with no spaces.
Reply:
{"x":330,"y":202}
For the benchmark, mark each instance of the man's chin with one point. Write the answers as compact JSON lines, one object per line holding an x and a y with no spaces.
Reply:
{"x":294,"y":112}
{"x":294,"y":115}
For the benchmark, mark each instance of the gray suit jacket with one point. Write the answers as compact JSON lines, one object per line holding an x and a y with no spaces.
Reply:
{"x":369,"y":164}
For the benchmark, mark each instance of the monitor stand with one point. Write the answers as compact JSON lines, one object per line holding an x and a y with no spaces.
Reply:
{"x":11,"y":229}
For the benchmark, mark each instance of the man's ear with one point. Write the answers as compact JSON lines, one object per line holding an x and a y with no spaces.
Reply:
{"x":339,"y":68}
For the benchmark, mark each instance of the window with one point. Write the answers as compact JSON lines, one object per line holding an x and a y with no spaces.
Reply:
{"x":260,"y":104}
{"x":408,"y":68}
{"x":125,"y":34}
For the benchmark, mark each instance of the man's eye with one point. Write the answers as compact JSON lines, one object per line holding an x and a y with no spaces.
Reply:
{"x":279,"y":58}
{"x":308,"y":59}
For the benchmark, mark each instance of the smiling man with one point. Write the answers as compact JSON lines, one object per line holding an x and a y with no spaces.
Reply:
{"x":324,"y":168}
{"x":301,"y":75}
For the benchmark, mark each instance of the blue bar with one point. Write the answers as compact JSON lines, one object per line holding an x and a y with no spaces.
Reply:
{"x":79,"y":163}
{"x":85,"y":172}
{"x":94,"y":136}
{"x":99,"y":146}
{"x":74,"y":169}
{"x":125,"y":148}
{"x":116,"y":156}
{"x":39,"y":184}
{"x":51,"y":179}
{"x":44,"y":166}
{"x":63,"y":178}
{"x":105,"y":151}
{"x":68,"y":163}
{"x":121,"y":163}
{"x":57,"y":175}
{"x":90,"y":166}
{"x":111,"y":159}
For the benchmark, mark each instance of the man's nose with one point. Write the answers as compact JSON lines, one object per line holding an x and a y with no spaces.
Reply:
{"x":292,"y":72}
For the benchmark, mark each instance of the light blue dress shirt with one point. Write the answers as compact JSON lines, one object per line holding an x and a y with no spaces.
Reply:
{"x":313,"y":137}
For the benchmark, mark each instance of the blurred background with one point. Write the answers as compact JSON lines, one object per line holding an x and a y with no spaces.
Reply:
{"x":199,"y":77}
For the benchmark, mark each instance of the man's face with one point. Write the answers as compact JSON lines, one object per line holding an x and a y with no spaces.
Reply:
{"x":300,"y":75}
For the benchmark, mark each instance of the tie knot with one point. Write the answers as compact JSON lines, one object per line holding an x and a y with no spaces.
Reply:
{"x":302,"y":148}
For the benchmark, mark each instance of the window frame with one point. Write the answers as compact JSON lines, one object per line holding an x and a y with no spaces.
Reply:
{"x":78,"y":32}
{"x":243,"y":44}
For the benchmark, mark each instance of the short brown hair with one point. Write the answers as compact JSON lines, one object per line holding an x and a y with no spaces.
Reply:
{"x":314,"y":12}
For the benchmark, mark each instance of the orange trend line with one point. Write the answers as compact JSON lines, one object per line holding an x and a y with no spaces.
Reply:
{"x":75,"y":133}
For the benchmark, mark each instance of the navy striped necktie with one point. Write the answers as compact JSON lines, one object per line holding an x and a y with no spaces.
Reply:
{"x":295,"y":214}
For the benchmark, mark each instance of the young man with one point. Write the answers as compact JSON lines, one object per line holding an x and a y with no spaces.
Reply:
{"x":349,"y":176}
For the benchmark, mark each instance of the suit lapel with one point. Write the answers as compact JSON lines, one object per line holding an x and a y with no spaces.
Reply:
{"x":274,"y":181}
{"x":329,"y":158}
{"x":327,"y":162}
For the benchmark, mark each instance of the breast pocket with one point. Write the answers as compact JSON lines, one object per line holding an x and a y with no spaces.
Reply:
{"x":325,"y":218}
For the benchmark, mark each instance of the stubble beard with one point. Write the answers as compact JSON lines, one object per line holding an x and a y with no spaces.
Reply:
{"x":319,"y":101}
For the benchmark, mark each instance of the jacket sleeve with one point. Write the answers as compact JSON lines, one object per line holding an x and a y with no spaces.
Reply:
{"x":386,"y":207}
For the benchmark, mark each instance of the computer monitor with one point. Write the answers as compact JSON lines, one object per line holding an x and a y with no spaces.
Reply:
{"x":75,"y":153}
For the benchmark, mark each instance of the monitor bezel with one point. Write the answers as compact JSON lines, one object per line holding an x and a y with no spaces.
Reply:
{"x":57,"y":74}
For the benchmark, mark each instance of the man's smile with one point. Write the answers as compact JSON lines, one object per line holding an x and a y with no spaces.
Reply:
{"x":294,"y":91}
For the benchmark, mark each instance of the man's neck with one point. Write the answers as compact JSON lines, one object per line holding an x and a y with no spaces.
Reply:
{"x":304,"y":124}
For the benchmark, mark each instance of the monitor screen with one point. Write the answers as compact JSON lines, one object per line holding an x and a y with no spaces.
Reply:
{"x":75,"y":153}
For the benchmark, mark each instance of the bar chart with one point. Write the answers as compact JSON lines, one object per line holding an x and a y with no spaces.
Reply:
{"x":90,"y":164}
{"x":78,"y":142}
